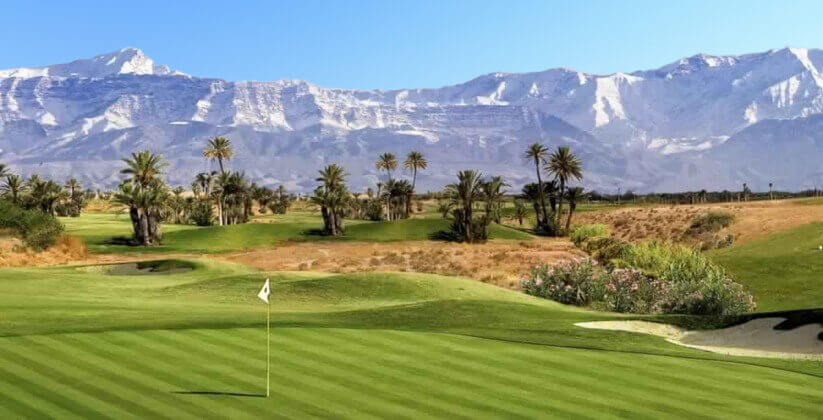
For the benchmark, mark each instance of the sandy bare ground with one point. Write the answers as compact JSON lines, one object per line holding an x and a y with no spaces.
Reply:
{"x":752,"y":219}
{"x":756,"y":338}
{"x":502,"y":263}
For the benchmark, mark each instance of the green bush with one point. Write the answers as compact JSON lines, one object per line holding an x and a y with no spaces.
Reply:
{"x":584,"y":233}
{"x":37,"y":229}
{"x":606,"y":250}
{"x":201,"y":213}
{"x":693,"y":284}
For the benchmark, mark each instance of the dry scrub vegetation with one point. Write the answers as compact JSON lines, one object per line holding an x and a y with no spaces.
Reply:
{"x":670,"y":223}
{"x":499,"y":263}
{"x":67,"y":249}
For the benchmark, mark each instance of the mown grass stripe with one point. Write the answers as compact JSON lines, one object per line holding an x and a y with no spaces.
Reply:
{"x":246,"y":374}
{"x":96,"y":379}
{"x":16,"y":399}
{"x":600,"y":369}
{"x":322,"y":372}
{"x":194,"y":378}
{"x":575,"y":404}
{"x":159,"y":370}
{"x":321,"y":340}
{"x":590,"y":385}
{"x":129,"y":372}
{"x":699,"y":377}
{"x":466,"y":391}
{"x":58,"y":388}
{"x":371,"y":380}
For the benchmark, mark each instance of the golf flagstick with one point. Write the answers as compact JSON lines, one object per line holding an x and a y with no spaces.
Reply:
{"x":264,"y":296}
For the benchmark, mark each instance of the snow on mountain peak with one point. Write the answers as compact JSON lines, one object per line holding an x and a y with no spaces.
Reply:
{"x":128,"y":60}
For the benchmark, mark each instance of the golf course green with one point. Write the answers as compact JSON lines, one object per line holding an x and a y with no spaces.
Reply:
{"x":86,"y":342}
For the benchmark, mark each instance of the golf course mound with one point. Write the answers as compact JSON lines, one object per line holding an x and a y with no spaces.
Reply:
{"x":774,"y":337}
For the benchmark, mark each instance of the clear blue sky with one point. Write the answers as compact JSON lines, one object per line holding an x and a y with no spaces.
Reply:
{"x":396,"y":44}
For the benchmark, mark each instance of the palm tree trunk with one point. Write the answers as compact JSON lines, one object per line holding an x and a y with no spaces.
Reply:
{"x":144,"y":229}
{"x":569,"y":218}
{"x":560,"y":199}
{"x":540,"y":193}
{"x":220,"y":212}
{"x":220,"y":162}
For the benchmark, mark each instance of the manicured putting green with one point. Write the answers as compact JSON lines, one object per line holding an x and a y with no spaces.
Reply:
{"x":81,"y":342}
{"x":219,"y":373}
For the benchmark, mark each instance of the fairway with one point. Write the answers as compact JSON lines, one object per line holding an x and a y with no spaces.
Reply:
{"x":784,"y":270}
{"x":81,"y":342}
{"x":205,"y":373}
{"x":102,"y":230}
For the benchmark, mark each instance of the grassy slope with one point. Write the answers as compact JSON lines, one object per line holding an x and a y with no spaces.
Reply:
{"x":784,"y":270}
{"x":80,"y":343}
{"x":98,"y":229}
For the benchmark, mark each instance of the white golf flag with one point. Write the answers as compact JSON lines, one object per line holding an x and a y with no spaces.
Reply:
{"x":264,"y":292}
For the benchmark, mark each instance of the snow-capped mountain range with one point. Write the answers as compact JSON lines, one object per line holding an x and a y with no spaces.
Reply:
{"x":704,"y":121}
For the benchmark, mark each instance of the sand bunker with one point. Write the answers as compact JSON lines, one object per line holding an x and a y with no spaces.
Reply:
{"x":757,"y":337}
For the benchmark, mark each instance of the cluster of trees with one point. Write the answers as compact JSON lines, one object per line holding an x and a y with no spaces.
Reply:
{"x":464,"y":195}
{"x":43,"y":194}
{"x":702,"y":196}
{"x":231,"y":192}
{"x":392,"y":201}
{"x":396,"y":195}
{"x":563,"y":166}
{"x":150,"y":201}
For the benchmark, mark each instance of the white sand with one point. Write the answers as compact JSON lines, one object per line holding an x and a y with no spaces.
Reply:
{"x":756,"y":338}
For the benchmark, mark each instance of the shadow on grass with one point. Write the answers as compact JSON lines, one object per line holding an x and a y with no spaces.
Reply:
{"x":445,"y":236}
{"x":225,"y":394}
{"x":120,"y":240}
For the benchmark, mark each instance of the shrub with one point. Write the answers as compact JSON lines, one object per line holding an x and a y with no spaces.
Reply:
{"x":692,"y":283}
{"x":201,"y":213}
{"x":574,"y":283}
{"x":584,"y":233}
{"x":710,"y":222}
{"x":655,"y":278}
{"x":37,"y":229}
{"x":606,"y":250}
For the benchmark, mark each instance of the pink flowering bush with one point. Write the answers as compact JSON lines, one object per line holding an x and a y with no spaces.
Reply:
{"x":654,"y":278}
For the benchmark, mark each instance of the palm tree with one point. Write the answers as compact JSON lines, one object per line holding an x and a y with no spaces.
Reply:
{"x":414,"y":162}
{"x":520,"y":211}
{"x":463,"y":195}
{"x":4,"y":170}
{"x":13,"y":187}
{"x":333,"y":197}
{"x":573,"y":195}
{"x":73,"y":186}
{"x":386,"y":162}
{"x":493,"y":196}
{"x":565,"y":165}
{"x":536,"y":152}
{"x":204,"y":180}
{"x":219,"y":149}
{"x":144,"y":167}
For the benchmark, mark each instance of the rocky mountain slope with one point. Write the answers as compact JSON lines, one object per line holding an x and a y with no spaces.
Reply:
{"x":701,"y":122}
